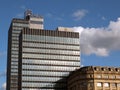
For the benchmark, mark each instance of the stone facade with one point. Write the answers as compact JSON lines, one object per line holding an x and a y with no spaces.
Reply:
{"x":95,"y":78}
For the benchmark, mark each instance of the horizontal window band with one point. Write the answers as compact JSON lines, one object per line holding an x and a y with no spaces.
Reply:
{"x":14,"y":61}
{"x":45,"y":88}
{"x":15,"y":68}
{"x":36,"y":22}
{"x":50,"y":54}
{"x":52,"y":59}
{"x":16,"y":20}
{"x":45,"y":81}
{"x":47,"y":76}
{"x":15,"y":36}
{"x":14,"y":64}
{"x":50,"y":65}
{"x":15,"y":40}
{"x":44,"y":73}
{"x":14,"y":57}
{"x":15,"y":43}
{"x":19,"y":26}
{"x":50,"y":43}
{"x":14,"y":54}
{"x":50,"y":48}
{"x":45,"y":70}
{"x":50,"y":33}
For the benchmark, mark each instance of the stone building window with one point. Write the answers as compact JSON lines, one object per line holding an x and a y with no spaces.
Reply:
{"x":118,"y":85}
{"x":117,"y":69}
{"x":90,"y":84}
{"x":99,"y":84}
{"x":110,"y":69}
{"x":95,"y":69}
{"x":106,"y":84}
{"x":113,"y":84}
{"x":102,"y":69}
{"x":99,"y":76}
{"x":118,"y":77}
{"x":91,"y":76}
{"x":112,"y":77}
{"x":105,"y":76}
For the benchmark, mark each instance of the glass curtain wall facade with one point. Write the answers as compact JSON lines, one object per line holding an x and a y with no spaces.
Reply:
{"x":46,"y":58}
{"x":13,"y":52}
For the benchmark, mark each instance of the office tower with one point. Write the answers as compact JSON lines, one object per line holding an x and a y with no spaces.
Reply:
{"x":30,"y":21}
{"x":40,"y":59}
{"x":46,"y":58}
{"x":95,"y":78}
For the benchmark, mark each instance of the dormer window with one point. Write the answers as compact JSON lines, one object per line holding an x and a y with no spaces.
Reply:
{"x":95,"y":69}
{"x":103,"y":69}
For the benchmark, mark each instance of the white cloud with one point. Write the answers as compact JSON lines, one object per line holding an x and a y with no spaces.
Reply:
{"x":3,"y":87}
{"x":115,"y":25}
{"x":79,"y":14}
{"x":100,"y":41}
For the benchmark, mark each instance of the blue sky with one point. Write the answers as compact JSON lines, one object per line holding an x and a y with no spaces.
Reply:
{"x":98,"y":22}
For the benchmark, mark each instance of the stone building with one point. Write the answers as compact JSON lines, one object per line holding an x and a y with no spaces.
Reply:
{"x":95,"y":78}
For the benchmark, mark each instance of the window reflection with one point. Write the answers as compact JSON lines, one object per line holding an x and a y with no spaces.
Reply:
{"x":52,"y":39}
{"x":64,"y":52}
{"x":48,"y":79}
{"x":57,"y":46}
{"x":50,"y":62}
{"x":44,"y":73}
{"x":32,"y":84}
{"x":51,"y":56}
{"x":38,"y":67}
